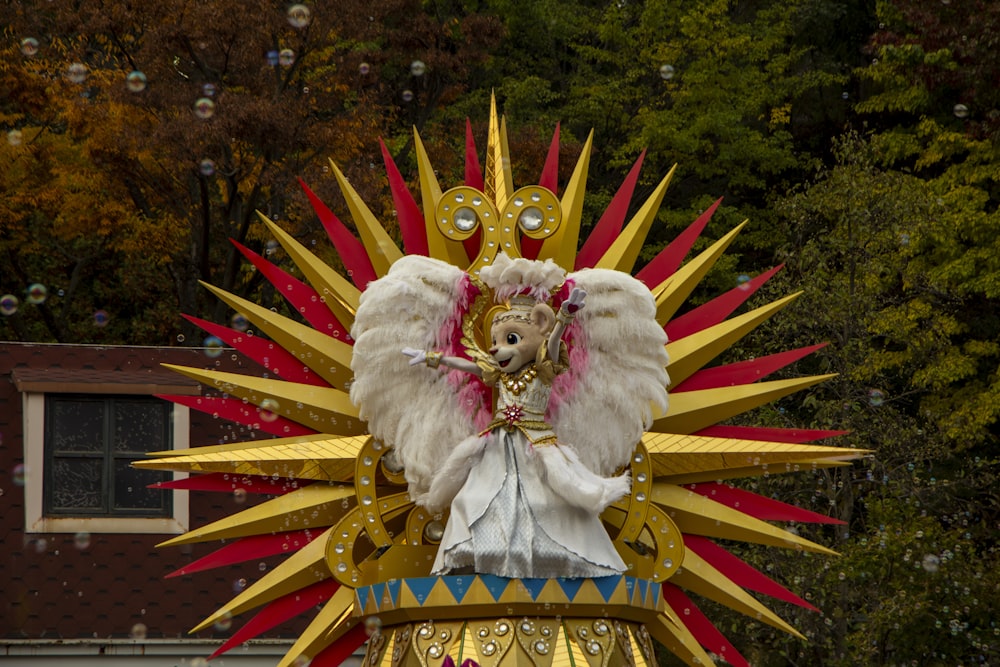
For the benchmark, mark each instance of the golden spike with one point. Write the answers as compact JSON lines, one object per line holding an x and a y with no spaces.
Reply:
{"x":330,"y":460}
{"x":671,"y":293}
{"x":332,"y":622}
{"x":753,"y":471}
{"x":698,"y":576}
{"x":236,"y":446}
{"x":322,"y":408}
{"x":381,"y":249}
{"x":438,"y":246}
{"x":274,"y":515}
{"x":691,"y":353}
{"x":624,"y":251}
{"x":498,"y":182}
{"x":697,"y":515}
{"x":328,"y":357}
{"x":680,"y":641}
{"x":561,"y":246}
{"x":691,"y":411}
{"x":672,"y":454}
{"x":340,"y":296}
{"x":303,"y":568}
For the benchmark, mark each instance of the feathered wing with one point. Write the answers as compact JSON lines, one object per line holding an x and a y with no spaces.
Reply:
{"x":419,"y":303}
{"x":617,"y":371}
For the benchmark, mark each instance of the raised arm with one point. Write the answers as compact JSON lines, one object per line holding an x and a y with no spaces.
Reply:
{"x":565,"y":316}
{"x":436,"y":359}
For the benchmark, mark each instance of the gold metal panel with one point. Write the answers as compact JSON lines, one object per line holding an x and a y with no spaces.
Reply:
{"x":381,"y":249}
{"x":680,"y":641}
{"x":561,"y":246}
{"x":329,"y":625}
{"x":438,"y":246}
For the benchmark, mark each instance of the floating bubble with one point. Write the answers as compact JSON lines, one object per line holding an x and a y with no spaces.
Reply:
{"x":904,"y":239}
{"x":37,"y":293}
{"x":199,"y":662}
{"x":960,"y":111}
{"x":8,"y":304}
{"x":136,"y":81}
{"x":845,"y":95}
{"x":180,"y":338}
{"x":76,"y":73}
{"x":138,"y":631}
{"x":272,"y":58}
{"x":204,"y":108}
{"x":666,"y":72}
{"x":373,"y":624}
{"x":15,"y":137}
{"x":407,"y":95}
{"x":224,"y":622}
{"x":239,"y":322}
{"x":286,"y":57}
{"x":271,"y":244}
{"x":41,"y":544}
{"x":743,"y":281}
{"x":876,"y":397}
{"x":29,"y":46}
{"x":269,"y":409}
{"x":81,"y":541}
{"x":299,"y":16}
{"x":214,"y":347}
{"x":417,"y":68}
{"x":101,"y":318}
{"x":930,"y":563}
{"x":239,"y":496}
{"x":239,"y":585}
{"x":208,"y":90}
{"x":206,"y":167}
{"x":19,"y":474}
{"x":364,"y":68}
{"x":301,"y":661}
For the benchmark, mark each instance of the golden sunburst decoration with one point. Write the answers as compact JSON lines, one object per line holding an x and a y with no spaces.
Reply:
{"x":359,"y":547}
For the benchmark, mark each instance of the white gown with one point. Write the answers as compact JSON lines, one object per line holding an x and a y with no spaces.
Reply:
{"x":512,"y":517}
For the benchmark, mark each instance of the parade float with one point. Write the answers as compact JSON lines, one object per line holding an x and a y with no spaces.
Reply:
{"x":476,"y":461}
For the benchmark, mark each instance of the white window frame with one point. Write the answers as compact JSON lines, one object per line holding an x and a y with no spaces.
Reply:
{"x":35,"y":521}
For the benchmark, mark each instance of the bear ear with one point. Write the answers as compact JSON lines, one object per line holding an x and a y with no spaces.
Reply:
{"x":543,"y":317}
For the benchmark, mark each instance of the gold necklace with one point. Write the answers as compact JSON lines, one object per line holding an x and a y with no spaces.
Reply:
{"x":519,"y":381}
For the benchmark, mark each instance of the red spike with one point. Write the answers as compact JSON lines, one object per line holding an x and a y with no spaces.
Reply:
{"x":791,"y":435}
{"x":758,"y":506}
{"x":227,"y":483}
{"x":281,"y":610}
{"x":247,"y":414}
{"x":248,"y":548}
{"x":740,"y":572}
{"x":549,"y":179}
{"x":302,"y":297}
{"x":411,"y":219}
{"x":702,"y":629}
{"x":743,"y":372}
{"x":258,"y":349}
{"x":666,"y":262}
{"x":610,"y":225}
{"x":473,"y":171}
{"x":351,"y":251}
{"x":716,"y":310}
{"x":336,"y":653}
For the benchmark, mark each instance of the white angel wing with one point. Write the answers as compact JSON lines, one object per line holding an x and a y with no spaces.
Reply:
{"x":415,"y":409}
{"x":617,"y":371}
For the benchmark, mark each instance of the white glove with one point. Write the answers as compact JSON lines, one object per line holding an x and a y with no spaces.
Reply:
{"x":416,"y":356}
{"x":575,"y":301}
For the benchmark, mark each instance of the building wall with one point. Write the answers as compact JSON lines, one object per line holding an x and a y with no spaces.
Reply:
{"x":105,"y":588}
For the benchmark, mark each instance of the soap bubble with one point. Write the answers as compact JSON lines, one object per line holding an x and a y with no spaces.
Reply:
{"x":8,"y":304}
{"x":37,"y":293}
{"x":214,"y":347}
{"x":743,"y":281}
{"x":407,"y":95}
{"x":299,"y":16}
{"x":666,"y":72}
{"x":239,"y":322}
{"x":204,"y":108}
{"x":286,"y":57}
{"x":239,"y":585}
{"x":930,"y":563}
{"x":269,"y":409}
{"x":373,"y":624}
{"x":960,"y":111}
{"x":19,"y":474}
{"x":417,"y":68}
{"x":29,"y":46}
{"x":199,"y":662}
{"x":364,"y":68}
{"x":81,"y":541}
{"x":272,"y":58}
{"x":206,"y":167}
{"x":15,"y":137}
{"x":224,"y":622}
{"x":101,"y":318}
{"x":136,"y":81}
{"x":876,"y":397}
{"x":138,"y":631}
{"x":208,"y":90}
{"x":76,"y":73}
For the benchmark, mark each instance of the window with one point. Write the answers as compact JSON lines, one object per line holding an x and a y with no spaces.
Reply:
{"x":90,"y":442}
{"x":82,"y":429}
